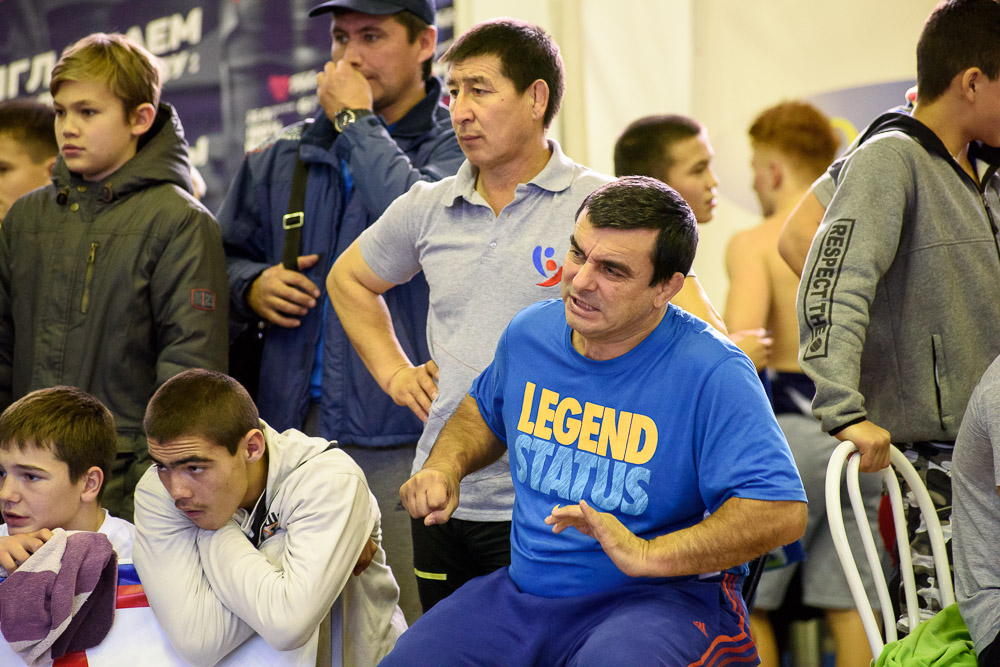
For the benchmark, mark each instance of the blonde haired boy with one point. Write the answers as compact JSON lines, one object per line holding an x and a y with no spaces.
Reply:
{"x":112,"y":279}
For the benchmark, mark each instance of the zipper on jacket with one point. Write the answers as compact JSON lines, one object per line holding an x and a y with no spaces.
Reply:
{"x":937,"y":384}
{"x":90,"y":276}
{"x":993,"y":223}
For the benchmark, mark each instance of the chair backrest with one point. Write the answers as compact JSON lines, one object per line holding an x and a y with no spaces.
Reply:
{"x":847,"y":452}
{"x":752,"y":580}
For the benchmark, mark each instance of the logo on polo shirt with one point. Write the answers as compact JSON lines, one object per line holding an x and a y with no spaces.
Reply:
{"x":547,"y":266}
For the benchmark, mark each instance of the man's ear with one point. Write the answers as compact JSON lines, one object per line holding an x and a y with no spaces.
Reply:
{"x":141,"y":119}
{"x":93,"y":479}
{"x":668,"y":289}
{"x":50,"y":164}
{"x":539,"y":92}
{"x":970,"y":78}
{"x":427,"y":41}
{"x":776,"y":170}
{"x":255,"y":445}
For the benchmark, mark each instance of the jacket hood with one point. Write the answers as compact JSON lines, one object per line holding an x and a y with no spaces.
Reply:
{"x":902,"y":121}
{"x":287,"y":451}
{"x":162,"y":157}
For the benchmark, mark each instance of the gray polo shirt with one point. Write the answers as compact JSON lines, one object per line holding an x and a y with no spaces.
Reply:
{"x":482,"y":269}
{"x":975,"y":518}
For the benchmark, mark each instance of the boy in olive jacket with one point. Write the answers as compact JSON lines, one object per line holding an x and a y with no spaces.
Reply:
{"x":112,"y":279}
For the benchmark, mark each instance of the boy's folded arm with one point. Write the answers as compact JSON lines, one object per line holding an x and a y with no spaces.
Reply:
{"x":189,"y":294}
{"x":285,"y":602}
{"x":200,"y":628}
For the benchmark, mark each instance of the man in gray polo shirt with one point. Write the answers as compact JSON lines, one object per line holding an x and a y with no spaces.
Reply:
{"x":489,"y":241}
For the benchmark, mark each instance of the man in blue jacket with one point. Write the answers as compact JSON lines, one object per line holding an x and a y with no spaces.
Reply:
{"x":381,"y":129}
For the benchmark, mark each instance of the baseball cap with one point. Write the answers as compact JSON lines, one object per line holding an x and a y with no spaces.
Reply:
{"x":422,"y":9}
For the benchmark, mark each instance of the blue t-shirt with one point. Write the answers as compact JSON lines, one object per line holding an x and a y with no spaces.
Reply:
{"x":660,"y":437}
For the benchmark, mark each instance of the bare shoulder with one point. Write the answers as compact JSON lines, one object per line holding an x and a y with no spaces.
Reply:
{"x":755,"y":240}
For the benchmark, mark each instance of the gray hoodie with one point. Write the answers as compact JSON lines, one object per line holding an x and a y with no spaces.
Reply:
{"x":897,"y":315}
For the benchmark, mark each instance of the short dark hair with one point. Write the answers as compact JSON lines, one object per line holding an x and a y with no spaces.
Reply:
{"x":202,"y":403}
{"x":799,"y":131}
{"x":69,"y":422}
{"x":31,"y":124}
{"x":643,"y":149}
{"x":415,"y":27}
{"x":527,"y":53}
{"x":959,"y":34}
{"x":642,"y":202}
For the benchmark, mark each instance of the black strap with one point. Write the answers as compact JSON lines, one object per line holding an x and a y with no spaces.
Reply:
{"x":293,"y":220}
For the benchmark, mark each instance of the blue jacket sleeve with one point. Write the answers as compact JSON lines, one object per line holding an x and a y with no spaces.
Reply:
{"x":382,"y":171}
{"x":245,"y":236}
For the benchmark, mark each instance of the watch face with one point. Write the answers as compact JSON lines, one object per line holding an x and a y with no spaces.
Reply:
{"x":344,"y":118}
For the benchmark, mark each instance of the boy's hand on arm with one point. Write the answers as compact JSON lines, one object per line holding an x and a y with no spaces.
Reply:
{"x":872,"y":442}
{"x":756,"y":344}
{"x":365,"y":559}
{"x":15,"y":549}
{"x":415,"y":387}
{"x":281,"y":296}
{"x":432,"y":493}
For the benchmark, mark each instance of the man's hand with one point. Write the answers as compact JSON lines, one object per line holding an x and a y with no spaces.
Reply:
{"x":415,"y":387}
{"x":872,"y":441}
{"x":431,"y":493}
{"x":756,"y":344}
{"x":340,"y":86}
{"x":365,"y":559}
{"x":281,"y":296}
{"x":16,"y":549}
{"x":627,"y":551}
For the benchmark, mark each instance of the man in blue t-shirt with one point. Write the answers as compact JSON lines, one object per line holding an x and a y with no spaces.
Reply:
{"x":639,"y":427}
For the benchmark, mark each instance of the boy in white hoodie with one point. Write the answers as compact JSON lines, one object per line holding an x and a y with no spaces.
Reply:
{"x":241,"y":529}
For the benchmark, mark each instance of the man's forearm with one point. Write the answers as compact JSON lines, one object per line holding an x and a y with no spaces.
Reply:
{"x":466,"y":443}
{"x":366,"y":320}
{"x":740,"y":530}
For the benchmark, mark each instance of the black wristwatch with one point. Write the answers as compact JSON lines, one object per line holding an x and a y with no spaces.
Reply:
{"x":346,"y":117}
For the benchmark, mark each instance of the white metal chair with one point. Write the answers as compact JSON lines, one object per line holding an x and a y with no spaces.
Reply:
{"x":847,"y":452}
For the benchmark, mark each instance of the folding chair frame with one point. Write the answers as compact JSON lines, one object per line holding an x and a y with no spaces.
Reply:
{"x":847,"y":452}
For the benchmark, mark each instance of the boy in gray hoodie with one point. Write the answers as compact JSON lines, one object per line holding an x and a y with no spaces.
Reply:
{"x":897,"y":314}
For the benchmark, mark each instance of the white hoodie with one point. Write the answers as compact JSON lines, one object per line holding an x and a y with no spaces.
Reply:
{"x":211,"y":590}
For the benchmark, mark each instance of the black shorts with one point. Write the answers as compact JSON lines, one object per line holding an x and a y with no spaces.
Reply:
{"x":447,"y":555}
